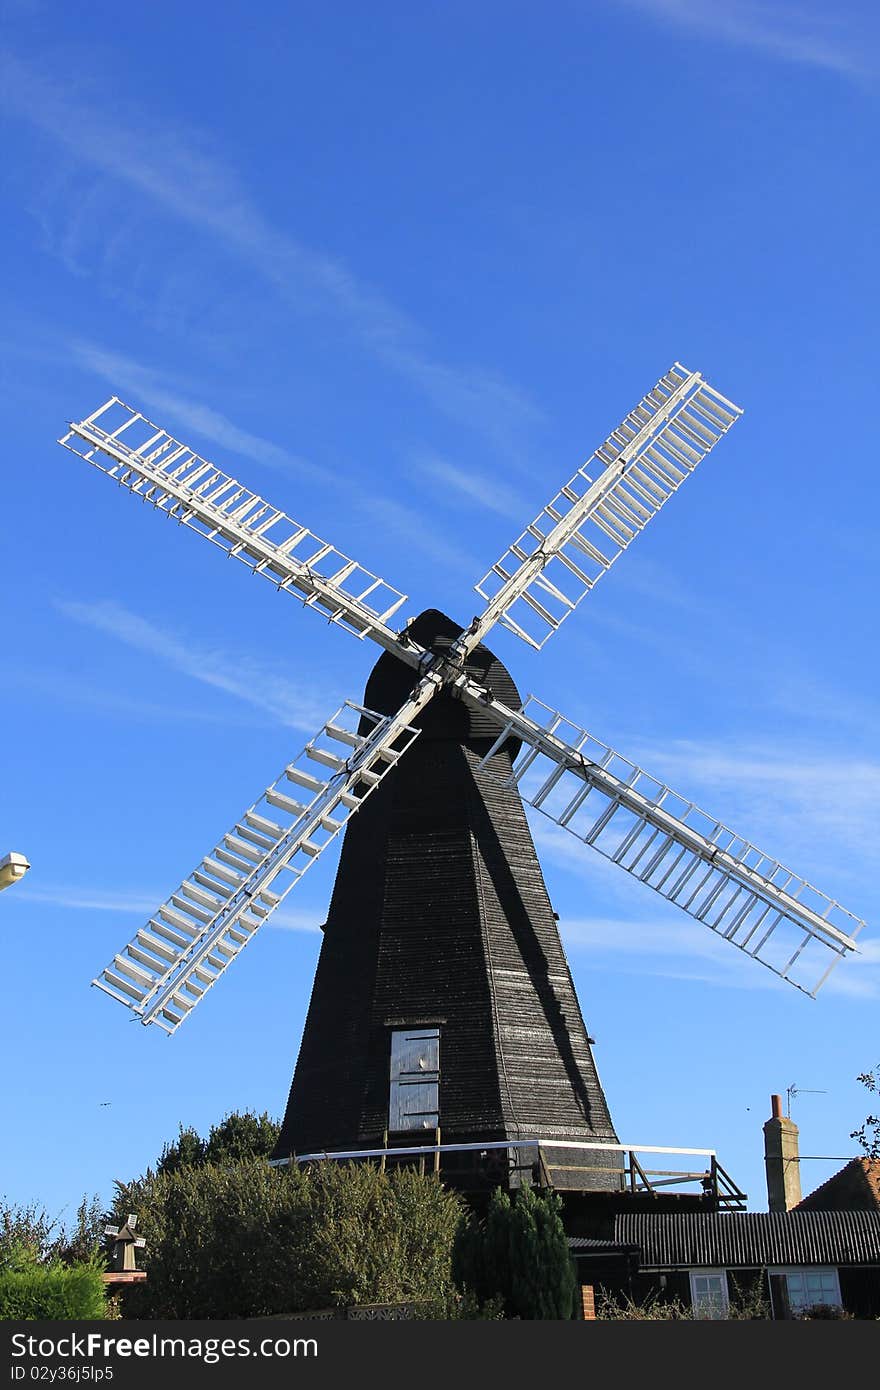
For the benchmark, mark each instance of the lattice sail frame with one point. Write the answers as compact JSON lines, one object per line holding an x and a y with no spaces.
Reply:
{"x":580,"y":533}
{"x":664,"y":840}
{"x":184,"y":948}
{"x":154,"y":466}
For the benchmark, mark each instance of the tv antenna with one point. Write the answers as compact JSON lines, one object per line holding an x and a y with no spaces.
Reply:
{"x":793,"y":1090}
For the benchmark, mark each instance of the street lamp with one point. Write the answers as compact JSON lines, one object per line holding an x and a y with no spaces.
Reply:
{"x":12,"y":867}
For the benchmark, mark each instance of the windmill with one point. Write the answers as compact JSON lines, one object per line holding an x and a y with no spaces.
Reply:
{"x":442,"y":996}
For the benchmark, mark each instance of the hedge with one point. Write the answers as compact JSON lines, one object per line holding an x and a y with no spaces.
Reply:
{"x":245,"y":1240}
{"x":52,"y":1292}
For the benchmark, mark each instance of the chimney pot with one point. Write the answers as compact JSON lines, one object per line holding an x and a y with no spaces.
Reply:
{"x":776,"y":1107}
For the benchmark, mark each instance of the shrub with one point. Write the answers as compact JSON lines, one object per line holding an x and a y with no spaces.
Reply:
{"x":26,"y":1233}
{"x":463,"y":1307}
{"x":821,"y":1311}
{"x":246,"y":1240}
{"x":653,"y":1308}
{"x":30,"y":1230}
{"x":52,"y":1291}
{"x":750,"y":1301}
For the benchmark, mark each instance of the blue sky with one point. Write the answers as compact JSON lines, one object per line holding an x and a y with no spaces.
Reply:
{"x":401,"y":268}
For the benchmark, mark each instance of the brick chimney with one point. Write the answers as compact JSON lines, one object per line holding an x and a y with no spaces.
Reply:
{"x":781,"y":1158}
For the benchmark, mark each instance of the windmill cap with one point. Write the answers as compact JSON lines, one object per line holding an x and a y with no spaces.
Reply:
{"x":391,"y":682}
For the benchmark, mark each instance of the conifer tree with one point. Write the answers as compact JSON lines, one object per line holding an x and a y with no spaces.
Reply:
{"x":519,"y":1253}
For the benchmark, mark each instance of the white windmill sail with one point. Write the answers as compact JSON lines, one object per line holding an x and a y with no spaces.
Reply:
{"x":157,"y":468}
{"x":184,"y":948}
{"x":558,"y":559}
{"x":664,"y":840}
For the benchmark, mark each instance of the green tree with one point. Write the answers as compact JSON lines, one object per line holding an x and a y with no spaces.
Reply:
{"x":85,"y":1241}
{"x":27,"y":1233}
{"x":29,"y":1230}
{"x":187,"y":1151}
{"x":239,"y":1136}
{"x":868,"y":1133}
{"x":520,"y":1254}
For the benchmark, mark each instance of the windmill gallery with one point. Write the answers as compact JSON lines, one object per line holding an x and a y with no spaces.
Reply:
{"x":443,"y":1020}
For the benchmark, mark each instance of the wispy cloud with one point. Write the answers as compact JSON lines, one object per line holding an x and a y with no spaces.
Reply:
{"x":296,"y":706}
{"x":794,"y":31}
{"x":643,"y":936}
{"x":64,"y":687}
{"x":300,"y":919}
{"x":659,"y":584}
{"x":179,"y":176}
{"x":666,"y":933}
{"x":779,"y":787}
{"x":122,"y":901}
{"x":92,"y":899}
{"x":477,"y":487}
{"x":859,"y":977}
{"x":789,"y":799}
{"x":407,"y":524}
{"x":152,"y":389}
{"x":655,"y":947}
{"x":833,"y":707}
{"x":685,"y":950}
{"x":558,"y":846}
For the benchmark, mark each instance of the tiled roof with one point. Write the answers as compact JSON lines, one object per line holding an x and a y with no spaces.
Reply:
{"x":856,"y":1187}
{"x":750,"y":1239}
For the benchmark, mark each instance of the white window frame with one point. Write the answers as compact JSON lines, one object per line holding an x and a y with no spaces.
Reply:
{"x":829,"y":1271}
{"x":696,"y":1296}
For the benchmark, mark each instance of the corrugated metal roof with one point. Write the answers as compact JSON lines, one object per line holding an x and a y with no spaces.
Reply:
{"x":580,"y":1243}
{"x":749,"y":1239}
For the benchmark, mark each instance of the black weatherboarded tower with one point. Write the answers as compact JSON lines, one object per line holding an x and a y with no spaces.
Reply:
{"x":442,"y":997}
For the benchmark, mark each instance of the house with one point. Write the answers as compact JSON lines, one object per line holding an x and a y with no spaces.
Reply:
{"x":822,"y":1251}
{"x":707,"y":1261}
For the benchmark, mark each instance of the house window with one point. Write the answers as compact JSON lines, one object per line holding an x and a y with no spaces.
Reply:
{"x":806,"y":1287}
{"x":709,"y":1296}
{"x":414,"y":1100}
